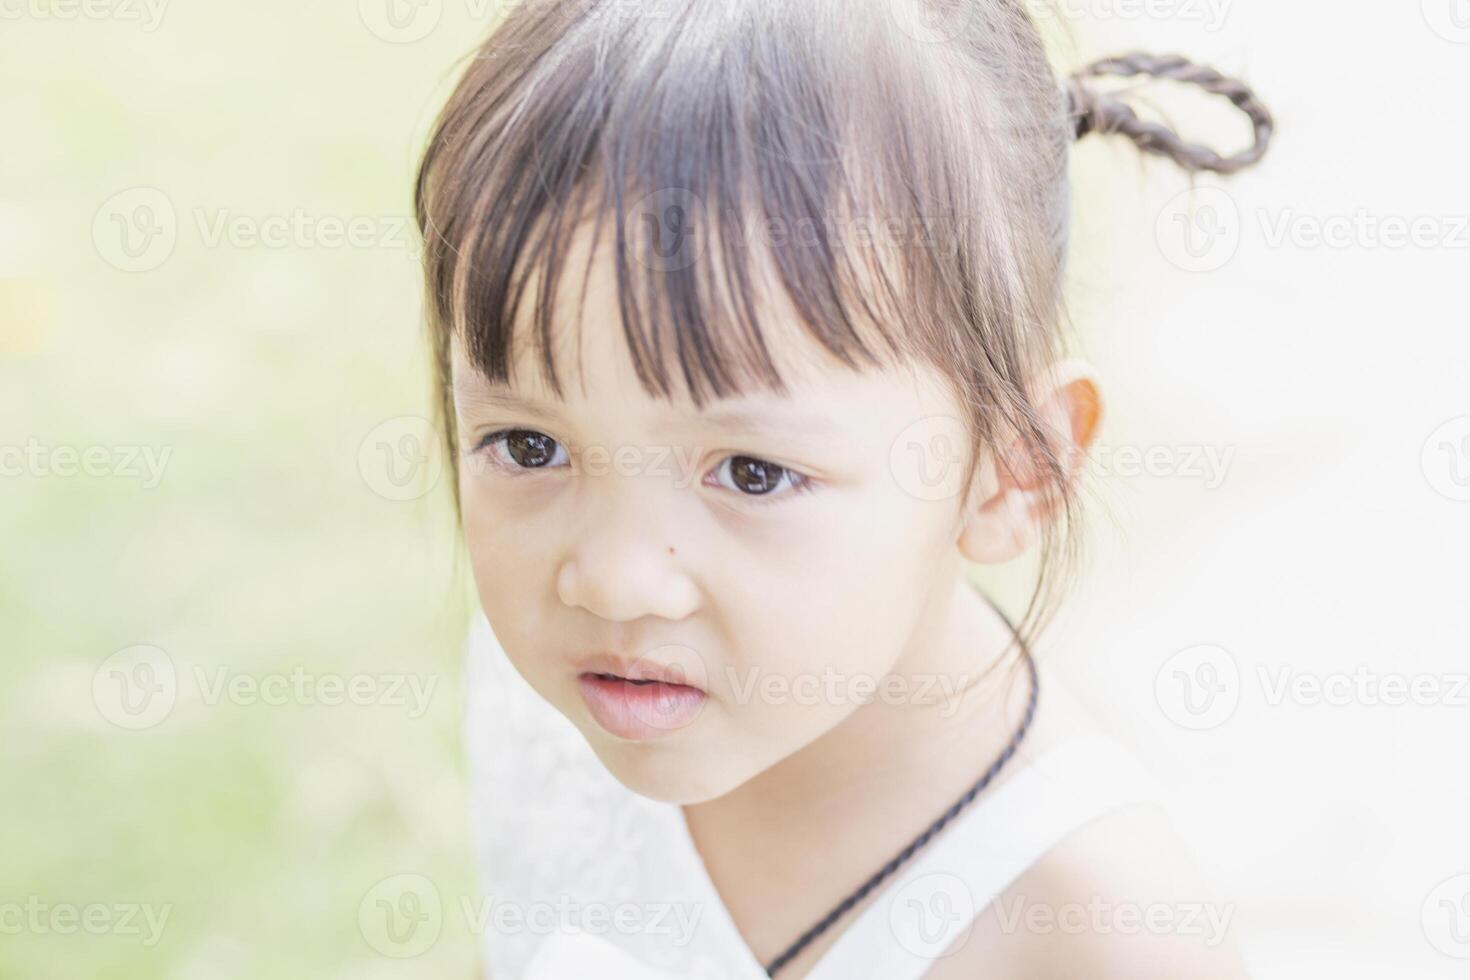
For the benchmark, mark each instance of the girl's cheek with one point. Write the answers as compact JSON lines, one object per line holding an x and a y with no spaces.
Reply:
{"x":494,"y":497}
{"x":494,"y":538}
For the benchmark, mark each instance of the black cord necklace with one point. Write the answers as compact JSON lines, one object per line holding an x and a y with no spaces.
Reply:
{"x":888,"y":869}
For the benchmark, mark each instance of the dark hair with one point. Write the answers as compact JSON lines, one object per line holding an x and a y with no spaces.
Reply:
{"x":944,"y":120}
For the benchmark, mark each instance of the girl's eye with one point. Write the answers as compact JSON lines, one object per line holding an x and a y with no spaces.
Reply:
{"x":517,"y":450}
{"x":753,"y":477}
{"x":522,"y":449}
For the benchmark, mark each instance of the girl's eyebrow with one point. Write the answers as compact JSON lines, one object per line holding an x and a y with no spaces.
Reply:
{"x":732,"y":420}
{"x":480,"y":395}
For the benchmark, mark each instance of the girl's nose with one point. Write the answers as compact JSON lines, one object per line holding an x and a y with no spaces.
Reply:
{"x":626,"y":565}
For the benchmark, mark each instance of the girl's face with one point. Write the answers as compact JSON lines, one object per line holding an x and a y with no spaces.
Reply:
{"x":778,"y":555}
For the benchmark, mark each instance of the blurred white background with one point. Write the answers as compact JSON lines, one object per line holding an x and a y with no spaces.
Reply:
{"x":1285,"y":633}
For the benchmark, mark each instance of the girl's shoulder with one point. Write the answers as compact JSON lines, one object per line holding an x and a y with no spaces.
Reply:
{"x":1120,"y":897}
{"x":1117,"y":895}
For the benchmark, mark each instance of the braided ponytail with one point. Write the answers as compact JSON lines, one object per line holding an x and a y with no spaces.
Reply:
{"x":1095,"y":111}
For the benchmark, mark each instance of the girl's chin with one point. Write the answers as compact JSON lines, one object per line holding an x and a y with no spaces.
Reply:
{"x":662,"y":772}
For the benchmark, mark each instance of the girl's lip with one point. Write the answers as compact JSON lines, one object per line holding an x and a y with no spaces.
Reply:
{"x":642,"y":709}
{"x":641,"y":669}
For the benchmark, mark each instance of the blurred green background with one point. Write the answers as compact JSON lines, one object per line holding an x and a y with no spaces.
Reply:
{"x":206,"y":255}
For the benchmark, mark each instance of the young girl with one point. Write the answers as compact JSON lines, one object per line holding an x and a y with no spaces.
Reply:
{"x":748,"y":335}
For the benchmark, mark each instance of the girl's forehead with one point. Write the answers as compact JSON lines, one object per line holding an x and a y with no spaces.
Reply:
{"x":590,"y":347}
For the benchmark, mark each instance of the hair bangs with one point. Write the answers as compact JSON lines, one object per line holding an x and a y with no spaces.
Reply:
{"x":715,"y":174}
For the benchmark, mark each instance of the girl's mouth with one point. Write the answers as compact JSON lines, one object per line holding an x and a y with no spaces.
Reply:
{"x":639,"y":709}
{"x":615,"y":677}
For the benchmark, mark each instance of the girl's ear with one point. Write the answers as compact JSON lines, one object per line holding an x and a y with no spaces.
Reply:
{"x":1007,"y":509}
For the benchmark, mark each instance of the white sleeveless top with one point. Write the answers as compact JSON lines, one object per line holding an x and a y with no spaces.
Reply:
{"x":583,"y":877}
